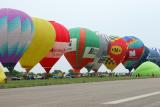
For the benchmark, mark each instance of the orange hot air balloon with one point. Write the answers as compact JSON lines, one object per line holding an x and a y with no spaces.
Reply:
{"x":59,"y":48}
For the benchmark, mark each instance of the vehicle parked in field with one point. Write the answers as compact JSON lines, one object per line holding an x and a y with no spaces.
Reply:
{"x":15,"y":78}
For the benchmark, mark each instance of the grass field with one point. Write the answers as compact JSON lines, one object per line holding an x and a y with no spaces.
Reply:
{"x":32,"y":83}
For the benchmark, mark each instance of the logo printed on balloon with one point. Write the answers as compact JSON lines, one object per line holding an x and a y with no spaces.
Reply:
{"x":135,"y":53}
{"x":90,"y":52}
{"x":72,"y":45}
{"x":132,"y":53}
{"x":116,"y":50}
{"x":58,"y":50}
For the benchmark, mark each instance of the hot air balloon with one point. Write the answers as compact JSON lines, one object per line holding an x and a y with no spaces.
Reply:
{"x":135,"y":50}
{"x":154,"y":56}
{"x":61,"y":43}
{"x":101,"y":54}
{"x":147,"y":69}
{"x":84,"y":46}
{"x":42,"y":41}
{"x":16,"y":30}
{"x":116,"y":52}
{"x":3,"y":78}
{"x":143,"y":58}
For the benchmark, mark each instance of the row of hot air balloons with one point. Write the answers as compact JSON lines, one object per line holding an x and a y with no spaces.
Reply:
{"x":31,"y":40}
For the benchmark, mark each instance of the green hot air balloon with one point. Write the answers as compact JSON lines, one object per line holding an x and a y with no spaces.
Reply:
{"x":84,"y":46}
{"x":147,"y":69}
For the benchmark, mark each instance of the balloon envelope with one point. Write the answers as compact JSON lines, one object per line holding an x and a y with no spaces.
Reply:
{"x":43,"y":40}
{"x":101,"y":54}
{"x":2,"y":76}
{"x":147,"y":69}
{"x":116,"y":52}
{"x":154,"y":56}
{"x":83,"y":47}
{"x":16,"y":30}
{"x":58,"y":49}
{"x":134,"y":53}
{"x":143,"y":58}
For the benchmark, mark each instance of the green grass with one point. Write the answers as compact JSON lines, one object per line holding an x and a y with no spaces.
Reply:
{"x":32,"y":83}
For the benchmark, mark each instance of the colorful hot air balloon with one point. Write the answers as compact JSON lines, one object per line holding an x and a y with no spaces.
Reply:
{"x":16,"y":30}
{"x":134,"y":53}
{"x":43,"y":40}
{"x":116,"y":52}
{"x":84,"y":46}
{"x":101,"y":54}
{"x":61,"y":43}
{"x":154,"y":56}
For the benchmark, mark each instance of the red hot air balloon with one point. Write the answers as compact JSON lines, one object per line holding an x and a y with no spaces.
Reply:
{"x":59,"y":48}
{"x":116,"y":52}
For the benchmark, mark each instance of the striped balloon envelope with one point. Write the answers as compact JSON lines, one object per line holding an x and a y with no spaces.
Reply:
{"x":84,"y":46}
{"x":59,"y":48}
{"x":116,"y":52}
{"x":101,"y":54}
{"x":135,"y":51}
{"x":16,"y":29}
{"x":43,"y":40}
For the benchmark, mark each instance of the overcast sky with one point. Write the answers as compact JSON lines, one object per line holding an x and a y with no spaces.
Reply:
{"x":139,"y":18}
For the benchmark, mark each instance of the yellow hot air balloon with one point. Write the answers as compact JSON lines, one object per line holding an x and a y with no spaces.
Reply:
{"x":3,"y":77}
{"x":43,"y":40}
